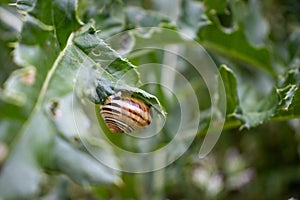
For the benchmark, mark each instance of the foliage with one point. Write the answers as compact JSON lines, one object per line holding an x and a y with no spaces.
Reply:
{"x":46,"y":44}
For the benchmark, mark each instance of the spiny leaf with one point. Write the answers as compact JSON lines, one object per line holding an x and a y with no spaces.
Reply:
{"x":258,"y":112}
{"x":250,"y":112}
{"x":289,"y":94}
{"x":109,"y":16}
{"x":113,"y":73}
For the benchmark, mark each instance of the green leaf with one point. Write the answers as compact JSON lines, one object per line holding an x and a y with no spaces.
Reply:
{"x":9,"y":32}
{"x":21,"y":175}
{"x":23,"y":86}
{"x":38,"y":9}
{"x":113,"y":73}
{"x":216,"y":5}
{"x":136,"y":17}
{"x":43,"y":91}
{"x":290,"y":102}
{"x":109,"y":16}
{"x":291,"y":77}
{"x":246,"y":107}
{"x":256,"y":26}
{"x":192,"y":18}
{"x":82,"y":168}
{"x":115,"y":66}
{"x":289,"y":94}
{"x":39,"y":133}
{"x":257,"y":112}
{"x":286,"y":96}
{"x":65,"y":19}
{"x":251,"y":110}
{"x":69,"y":63}
{"x":59,"y":14}
{"x":222,"y":12}
{"x":230,"y":84}
{"x":59,"y":191}
{"x":12,"y":119}
{"x":36,"y":51}
{"x":293,"y":44}
{"x":245,"y":15}
{"x":168,"y":8}
{"x":235,"y":45}
{"x":295,"y":105}
{"x":34,"y":38}
{"x":108,"y":68}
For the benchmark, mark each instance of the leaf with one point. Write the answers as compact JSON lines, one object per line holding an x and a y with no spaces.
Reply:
{"x":291,"y":101}
{"x":22,"y":87}
{"x":113,"y":73}
{"x":45,"y":148}
{"x":256,"y":26}
{"x":255,"y":113}
{"x":230,"y":84}
{"x":109,"y":16}
{"x":36,"y":50}
{"x":39,"y":130}
{"x":247,"y":107}
{"x":83,"y":174}
{"x":289,"y":94}
{"x":294,"y":109}
{"x":251,"y":110}
{"x":82,"y":168}
{"x":102,"y":53}
{"x":168,"y":8}
{"x":192,"y":18}
{"x":60,"y":190}
{"x":9,"y":32}
{"x":11,"y":121}
{"x":286,"y":96}
{"x":293,"y":44}
{"x":291,"y":77}
{"x":38,"y":9}
{"x":235,"y":45}
{"x":65,"y":19}
{"x":20,"y":175}
{"x":61,"y":16}
{"x":216,"y":5}
{"x":136,"y":17}
{"x":109,"y":66}
{"x":44,"y":88}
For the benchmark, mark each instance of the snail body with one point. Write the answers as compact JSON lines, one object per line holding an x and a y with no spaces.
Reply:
{"x":125,"y":114}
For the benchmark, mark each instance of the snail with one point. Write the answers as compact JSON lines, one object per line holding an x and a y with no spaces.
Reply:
{"x":125,"y":114}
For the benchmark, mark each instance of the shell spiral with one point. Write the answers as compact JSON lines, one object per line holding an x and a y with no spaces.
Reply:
{"x":125,"y":114}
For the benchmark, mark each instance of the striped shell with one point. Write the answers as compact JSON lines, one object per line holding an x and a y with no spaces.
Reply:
{"x":125,"y":114}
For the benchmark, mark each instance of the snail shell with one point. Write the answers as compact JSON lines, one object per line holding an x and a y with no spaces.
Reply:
{"x":125,"y":114}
